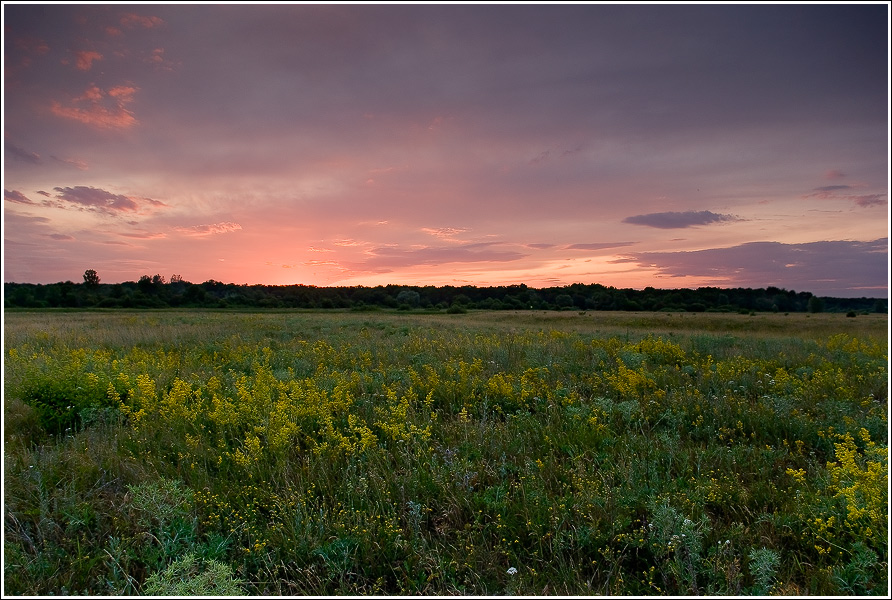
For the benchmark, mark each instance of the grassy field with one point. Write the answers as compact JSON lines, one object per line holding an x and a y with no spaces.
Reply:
{"x":327,"y":453}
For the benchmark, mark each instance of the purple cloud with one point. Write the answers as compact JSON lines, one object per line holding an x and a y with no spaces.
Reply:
{"x":96,"y":198}
{"x":869,"y":200}
{"x":833,"y":268}
{"x":16,"y":196}
{"x":679,"y":220}
{"x":91,"y":198}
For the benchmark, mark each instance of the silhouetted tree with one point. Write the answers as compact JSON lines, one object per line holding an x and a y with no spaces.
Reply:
{"x":91,"y":277}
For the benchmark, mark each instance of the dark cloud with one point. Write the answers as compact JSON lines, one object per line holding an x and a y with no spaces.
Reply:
{"x":834,"y":268}
{"x":61,"y":237}
{"x":91,"y":198}
{"x":679,"y":220}
{"x":21,"y":154}
{"x":539,"y":246}
{"x":599,"y":246}
{"x":16,"y":196}
{"x":832,"y":188}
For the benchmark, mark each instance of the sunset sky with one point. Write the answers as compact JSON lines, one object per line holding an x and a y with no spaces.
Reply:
{"x":633,"y":145}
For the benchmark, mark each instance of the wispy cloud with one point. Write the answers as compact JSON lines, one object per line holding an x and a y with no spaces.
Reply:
{"x":869,"y":200}
{"x":394,"y":256}
{"x":679,"y":220}
{"x":212,"y":229}
{"x":444,"y":233}
{"x":73,"y":162}
{"x":831,"y":192}
{"x":21,"y":154}
{"x":145,"y":21}
{"x":144,"y":235}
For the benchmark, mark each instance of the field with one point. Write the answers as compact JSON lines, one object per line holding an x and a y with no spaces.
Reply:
{"x":534,"y":453}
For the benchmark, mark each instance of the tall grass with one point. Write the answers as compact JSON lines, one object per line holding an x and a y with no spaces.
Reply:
{"x":481,"y":453}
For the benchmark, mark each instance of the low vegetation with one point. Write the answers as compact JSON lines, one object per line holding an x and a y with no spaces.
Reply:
{"x":476,"y":453}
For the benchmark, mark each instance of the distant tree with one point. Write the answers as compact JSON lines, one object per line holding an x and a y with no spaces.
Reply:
{"x":91,"y":277}
{"x":176,"y":279}
{"x":564,"y":300}
{"x":815,"y":305}
{"x":408,"y":297}
{"x":158,"y":279}
{"x":145,"y":284}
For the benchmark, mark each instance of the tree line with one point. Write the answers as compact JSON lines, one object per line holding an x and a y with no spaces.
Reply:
{"x":156,"y":291}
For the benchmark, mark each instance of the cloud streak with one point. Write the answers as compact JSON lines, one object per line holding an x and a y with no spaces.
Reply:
{"x":21,"y":154}
{"x":679,"y":220}
{"x":599,"y":246}
{"x":397,"y":257}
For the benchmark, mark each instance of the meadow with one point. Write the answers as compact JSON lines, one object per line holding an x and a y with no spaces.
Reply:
{"x":486,"y":453}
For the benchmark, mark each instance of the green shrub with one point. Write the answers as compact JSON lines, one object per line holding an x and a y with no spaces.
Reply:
{"x":192,"y":576}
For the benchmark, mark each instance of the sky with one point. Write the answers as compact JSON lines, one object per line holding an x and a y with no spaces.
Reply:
{"x":628,"y":145}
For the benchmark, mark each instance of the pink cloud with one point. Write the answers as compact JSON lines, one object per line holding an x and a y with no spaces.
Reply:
{"x":834,"y":174}
{"x":98,"y":113}
{"x":134,"y":20}
{"x":213,"y":229}
{"x":444,"y":233}
{"x":92,"y":93}
{"x":869,"y":200}
{"x":84,"y":59}
{"x":123,"y":93}
{"x":32,"y":45}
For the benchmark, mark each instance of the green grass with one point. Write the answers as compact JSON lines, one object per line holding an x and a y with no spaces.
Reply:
{"x":533,"y":453}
